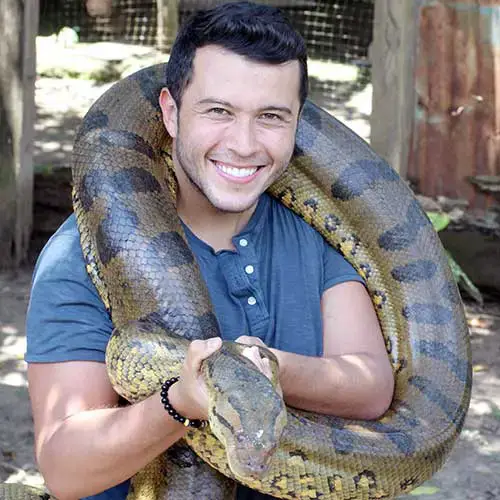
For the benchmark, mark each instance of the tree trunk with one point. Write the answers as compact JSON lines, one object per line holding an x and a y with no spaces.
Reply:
{"x":393,"y":59}
{"x":168,"y":23}
{"x":18,"y":28}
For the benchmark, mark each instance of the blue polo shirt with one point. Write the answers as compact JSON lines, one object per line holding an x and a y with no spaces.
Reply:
{"x":270,"y":287}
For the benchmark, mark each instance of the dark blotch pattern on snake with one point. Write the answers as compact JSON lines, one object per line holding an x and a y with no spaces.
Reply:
{"x":339,"y":186}
{"x":138,"y":259}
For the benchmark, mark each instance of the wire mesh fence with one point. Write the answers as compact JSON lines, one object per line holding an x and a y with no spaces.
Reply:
{"x":336,"y":30}
{"x":131,"y":21}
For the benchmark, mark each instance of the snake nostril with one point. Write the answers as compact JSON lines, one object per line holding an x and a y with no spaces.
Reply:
{"x":256,"y":466}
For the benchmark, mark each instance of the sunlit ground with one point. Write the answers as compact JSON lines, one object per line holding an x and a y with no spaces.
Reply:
{"x":345,"y":91}
{"x":16,"y":428}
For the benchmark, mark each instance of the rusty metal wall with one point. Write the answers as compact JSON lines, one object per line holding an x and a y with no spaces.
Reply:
{"x":457,"y":119}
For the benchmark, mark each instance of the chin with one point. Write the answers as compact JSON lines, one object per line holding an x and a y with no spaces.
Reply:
{"x":234,"y":206}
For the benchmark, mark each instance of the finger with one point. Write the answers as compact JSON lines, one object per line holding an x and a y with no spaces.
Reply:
{"x":252,"y":353}
{"x":200,"y":350}
{"x":244,"y":339}
{"x":267,"y":368}
{"x":248,"y":340}
{"x":262,"y":363}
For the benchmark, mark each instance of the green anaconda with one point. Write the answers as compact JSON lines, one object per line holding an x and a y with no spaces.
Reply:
{"x":138,"y":259}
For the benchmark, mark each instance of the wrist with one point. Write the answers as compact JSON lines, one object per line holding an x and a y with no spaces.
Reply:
{"x":174,"y":403}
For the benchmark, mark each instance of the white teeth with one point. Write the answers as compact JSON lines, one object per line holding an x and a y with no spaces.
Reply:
{"x":236,"y":172}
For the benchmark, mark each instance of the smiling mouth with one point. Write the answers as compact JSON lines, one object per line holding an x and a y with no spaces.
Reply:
{"x":238,"y":172}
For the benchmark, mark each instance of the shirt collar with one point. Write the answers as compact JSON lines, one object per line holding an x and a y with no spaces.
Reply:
{"x":253,"y":227}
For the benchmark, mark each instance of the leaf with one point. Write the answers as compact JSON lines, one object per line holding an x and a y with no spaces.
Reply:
{"x":480,"y":368}
{"x":495,"y":411}
{"x":439,"y":220}
{"x":43,"y":169}
{"x":425,"y":490}
{"x":463,"y":280}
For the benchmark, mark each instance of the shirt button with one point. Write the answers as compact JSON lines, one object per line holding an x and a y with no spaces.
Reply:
{"x":252,"y":301}
{"x":249,"y":269}
{"x":243,"y":242}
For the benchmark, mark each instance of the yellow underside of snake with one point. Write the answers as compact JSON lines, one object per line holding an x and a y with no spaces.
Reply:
{"x":124,"y":199}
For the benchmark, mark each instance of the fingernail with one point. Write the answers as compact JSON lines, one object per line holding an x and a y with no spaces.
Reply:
{"x":214,"y":342}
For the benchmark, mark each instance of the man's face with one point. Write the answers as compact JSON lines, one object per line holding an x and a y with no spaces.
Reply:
{"x":235,"y":131}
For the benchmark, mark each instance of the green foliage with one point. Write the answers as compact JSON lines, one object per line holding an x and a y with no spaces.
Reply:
{"x":44,"y":169}
{"x":440,"y":221}
{"x":495,"y":411}
{"x":463,"y":280}
{"x":425,"y":490}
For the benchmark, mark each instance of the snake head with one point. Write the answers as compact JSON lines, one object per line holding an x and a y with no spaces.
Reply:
{"x":246,"y":413}
{"x":254,"y":431}
{"x":250,"y":455}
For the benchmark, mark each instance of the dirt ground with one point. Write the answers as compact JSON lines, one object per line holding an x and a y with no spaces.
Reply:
{"x":473,"y":469}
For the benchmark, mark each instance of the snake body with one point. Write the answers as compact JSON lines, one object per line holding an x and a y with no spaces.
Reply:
{"x":138,"y":258}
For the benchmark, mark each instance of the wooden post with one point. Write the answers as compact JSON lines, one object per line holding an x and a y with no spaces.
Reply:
{"x":18,"y":29}
{"x":393,"y":58}
{"x":168,"y":23}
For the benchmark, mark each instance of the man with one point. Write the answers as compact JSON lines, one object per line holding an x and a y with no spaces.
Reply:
{"x":237,"y":83}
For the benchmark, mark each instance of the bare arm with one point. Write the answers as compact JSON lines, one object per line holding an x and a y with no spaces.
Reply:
{"x":84,"y":443}
{"x":354,"y":377}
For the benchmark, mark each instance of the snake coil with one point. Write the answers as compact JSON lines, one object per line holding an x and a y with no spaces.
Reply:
{"x":138,"y":259}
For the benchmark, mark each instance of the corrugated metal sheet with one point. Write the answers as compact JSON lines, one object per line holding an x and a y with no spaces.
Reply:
{"x":457,"y":121}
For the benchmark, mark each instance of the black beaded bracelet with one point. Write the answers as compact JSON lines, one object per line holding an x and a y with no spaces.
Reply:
{"x":187,"y":422}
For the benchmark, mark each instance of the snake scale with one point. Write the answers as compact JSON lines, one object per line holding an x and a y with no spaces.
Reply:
{"x":138,"y":259}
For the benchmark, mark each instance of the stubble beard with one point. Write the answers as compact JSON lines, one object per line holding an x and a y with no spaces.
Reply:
{"x":183,"y":163}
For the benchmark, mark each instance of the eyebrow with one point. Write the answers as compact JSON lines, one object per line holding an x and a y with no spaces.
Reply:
{"x":210,"y":100}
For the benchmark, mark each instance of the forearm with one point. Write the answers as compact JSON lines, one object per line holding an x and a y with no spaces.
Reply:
{"x":96,"y":449}
{"x":351,"y":386}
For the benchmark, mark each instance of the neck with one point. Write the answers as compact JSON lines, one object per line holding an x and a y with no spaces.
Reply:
{"x":213,"y":226}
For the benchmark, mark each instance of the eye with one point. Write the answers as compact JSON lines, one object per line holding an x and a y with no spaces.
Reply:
{"x":271,"y":117}
{"x":218,"y":111}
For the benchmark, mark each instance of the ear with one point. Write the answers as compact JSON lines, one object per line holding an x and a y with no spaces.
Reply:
{"x":169,"y":112}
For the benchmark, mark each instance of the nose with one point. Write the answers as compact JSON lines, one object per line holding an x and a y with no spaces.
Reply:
{"x":242,"y":138}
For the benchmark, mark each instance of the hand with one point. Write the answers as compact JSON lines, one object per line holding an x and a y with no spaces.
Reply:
{"x":189,"y":395}
{"x":253,"y":354}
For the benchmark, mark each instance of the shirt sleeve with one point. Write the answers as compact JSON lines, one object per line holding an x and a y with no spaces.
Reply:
{"x":336,"y":268}
{"x":66,"y":319}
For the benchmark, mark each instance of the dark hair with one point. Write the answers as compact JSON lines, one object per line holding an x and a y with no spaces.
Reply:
{"x":260,"y":32}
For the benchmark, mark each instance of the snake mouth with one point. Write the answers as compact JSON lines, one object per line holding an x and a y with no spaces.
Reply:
{"x":249,"y":470}
{"x":249,"y":463}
